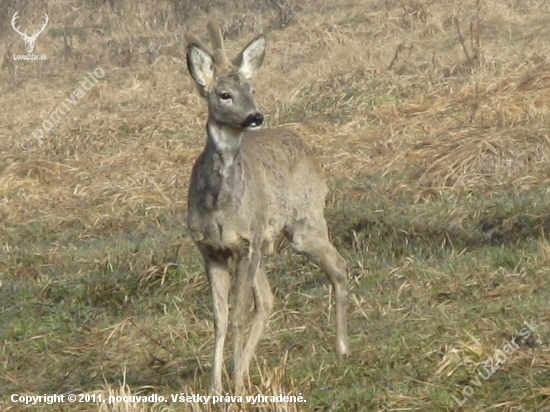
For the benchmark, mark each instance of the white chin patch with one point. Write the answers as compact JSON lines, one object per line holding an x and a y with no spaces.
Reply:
{"x":253,"y":127}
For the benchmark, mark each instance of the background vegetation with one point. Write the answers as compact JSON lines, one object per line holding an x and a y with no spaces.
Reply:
{"x":432,"y":120}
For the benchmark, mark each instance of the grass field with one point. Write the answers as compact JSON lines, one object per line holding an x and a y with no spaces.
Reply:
{"x":432,"y":122}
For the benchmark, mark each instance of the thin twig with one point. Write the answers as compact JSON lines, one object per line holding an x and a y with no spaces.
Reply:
{"x":396,"y":55}
{"x":462,"y":42}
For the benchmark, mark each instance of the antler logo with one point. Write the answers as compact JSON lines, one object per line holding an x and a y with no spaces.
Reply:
{"x":29,"y":40}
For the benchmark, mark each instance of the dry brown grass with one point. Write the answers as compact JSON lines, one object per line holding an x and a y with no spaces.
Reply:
{"x":447,"y":127}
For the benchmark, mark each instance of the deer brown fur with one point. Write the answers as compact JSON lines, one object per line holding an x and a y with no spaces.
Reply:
{"x":248,"y":188}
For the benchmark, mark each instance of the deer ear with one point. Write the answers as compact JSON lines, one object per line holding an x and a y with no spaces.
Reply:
{"x":200,"y":65}
{"x":251,"y":58}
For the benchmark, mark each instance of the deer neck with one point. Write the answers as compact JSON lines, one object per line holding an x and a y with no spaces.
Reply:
{"x":225,"y":144}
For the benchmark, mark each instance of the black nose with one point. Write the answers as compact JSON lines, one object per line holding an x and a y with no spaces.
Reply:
{"x":255,"y":119}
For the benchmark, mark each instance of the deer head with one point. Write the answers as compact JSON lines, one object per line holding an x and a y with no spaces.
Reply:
{"x":29,"y":40}
{"x":224,"y":83}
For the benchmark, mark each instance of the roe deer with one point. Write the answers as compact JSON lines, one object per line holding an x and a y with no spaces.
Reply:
{"x":248,"y":188}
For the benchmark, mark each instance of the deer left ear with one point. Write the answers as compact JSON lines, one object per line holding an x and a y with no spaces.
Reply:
{"x":251,"y":58}
{"x":200,"y":65}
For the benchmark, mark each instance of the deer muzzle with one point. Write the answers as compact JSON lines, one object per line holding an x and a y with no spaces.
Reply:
{"x":253,"y":121}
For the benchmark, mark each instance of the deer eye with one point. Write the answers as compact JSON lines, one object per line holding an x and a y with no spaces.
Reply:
{"x":225,"y":96}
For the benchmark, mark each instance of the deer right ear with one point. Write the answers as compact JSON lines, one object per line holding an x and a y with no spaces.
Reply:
{"x":200,"y":65}
{"x":251,"y":58}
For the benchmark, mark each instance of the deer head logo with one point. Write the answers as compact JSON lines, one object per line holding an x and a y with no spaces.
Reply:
{"x":29,"y":40}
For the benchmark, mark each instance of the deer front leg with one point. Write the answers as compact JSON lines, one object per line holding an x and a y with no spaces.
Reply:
{"x":247,"y":271}
{"x":263,"y":303}
{"x":243,"y":295}
{"x":218,"y":278}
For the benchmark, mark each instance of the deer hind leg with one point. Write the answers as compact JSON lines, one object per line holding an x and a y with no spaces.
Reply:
{"x":313,"y":242}
{"x":263,"y":303}
{"x":219,"y":280}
